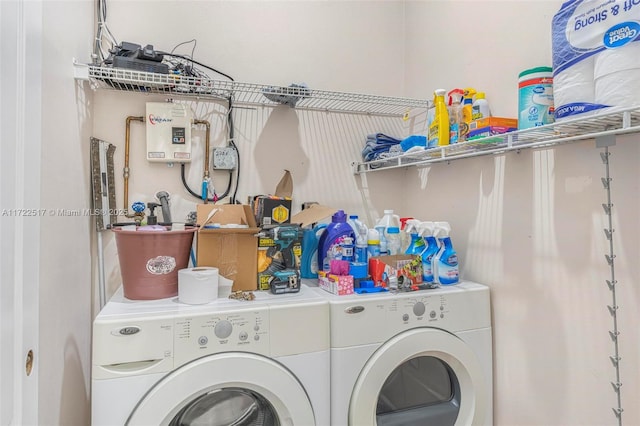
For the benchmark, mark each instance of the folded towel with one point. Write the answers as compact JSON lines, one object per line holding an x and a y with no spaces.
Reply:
{"x":376,"y":145}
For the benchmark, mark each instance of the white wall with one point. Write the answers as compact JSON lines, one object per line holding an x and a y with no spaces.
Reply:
{"x":65,"y":250}
{"x":530,"y":225}
{"x":349,"y":46}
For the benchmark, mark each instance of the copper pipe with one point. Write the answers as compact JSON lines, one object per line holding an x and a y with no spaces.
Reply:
{"x":206,"y":146}
{"x":125,"y":171}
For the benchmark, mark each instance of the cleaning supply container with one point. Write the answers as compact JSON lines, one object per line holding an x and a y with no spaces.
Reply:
{"x":535,"y":97}
{"x":150,"y":261}
{"x":309,"y":261}
{"x":331,"y":240}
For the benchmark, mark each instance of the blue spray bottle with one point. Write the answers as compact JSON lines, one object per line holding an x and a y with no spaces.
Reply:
{"x":446,"y":270}
{"x":416,"y":246}
{"x":426,"y":232}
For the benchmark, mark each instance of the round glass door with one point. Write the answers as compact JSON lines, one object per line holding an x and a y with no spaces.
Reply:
{"x":420,"y":377}
{"x":422,"y":390}
{"x":230,"y":389}
{"x":225,"y":407}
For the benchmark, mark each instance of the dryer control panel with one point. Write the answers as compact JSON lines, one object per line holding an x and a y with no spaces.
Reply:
{"x":210,"y":333}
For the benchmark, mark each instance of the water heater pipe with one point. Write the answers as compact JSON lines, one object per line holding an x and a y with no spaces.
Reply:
{"x":206,"y":146}
{"x":125,"y":171}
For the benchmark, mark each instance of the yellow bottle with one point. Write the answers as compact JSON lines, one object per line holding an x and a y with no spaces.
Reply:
{"x":467,"y":112}
{"x":439,"y":128}
{"x":466,"y":106}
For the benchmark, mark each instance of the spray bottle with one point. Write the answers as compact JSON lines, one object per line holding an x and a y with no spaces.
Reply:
{"x":439,"y":129}
{"x":361,"y":231}
{"x":456,"y":121}
{"x":446,"y":270}
{"x":426,"y":232}
{"x":417,"y":244}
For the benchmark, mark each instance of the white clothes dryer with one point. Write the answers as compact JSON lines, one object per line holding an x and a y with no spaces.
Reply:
{"x":229,"y":362}
{"x":412,"y":359}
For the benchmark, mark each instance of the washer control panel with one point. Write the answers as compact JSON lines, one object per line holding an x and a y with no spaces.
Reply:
{"x":205,"y":334}
{"x":419,"y":310}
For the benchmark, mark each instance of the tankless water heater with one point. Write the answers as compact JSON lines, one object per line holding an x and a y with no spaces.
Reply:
{"x":168,"y":132}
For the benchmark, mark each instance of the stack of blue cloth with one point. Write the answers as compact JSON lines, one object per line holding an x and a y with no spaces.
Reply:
{"x":377,"y":146}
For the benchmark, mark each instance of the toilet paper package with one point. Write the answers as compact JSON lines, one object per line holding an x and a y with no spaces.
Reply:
{"x":617,"y":76}
{"x":197,"y":286}
{"x":594,"y":48}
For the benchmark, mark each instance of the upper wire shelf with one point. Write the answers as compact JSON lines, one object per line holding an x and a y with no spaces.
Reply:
{"x":613,"y":122}
{"x":246,"y":93}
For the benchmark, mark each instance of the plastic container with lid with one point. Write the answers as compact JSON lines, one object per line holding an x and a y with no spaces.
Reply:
{"x":373,"y":243}
{"x":394,"y":244}
{"x":480,"y":107}
{"x":535,"y":97}
{"x":331,"y":240}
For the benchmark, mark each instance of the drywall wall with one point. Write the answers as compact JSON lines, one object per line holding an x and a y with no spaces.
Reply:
{"x":531,"y":224}
{"x":349,"y":46}
{"x":528,"y":224}
{"x":65,"y":254}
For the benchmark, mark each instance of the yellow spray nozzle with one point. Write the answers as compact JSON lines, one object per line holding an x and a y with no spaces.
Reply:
{"x":469,"y":92}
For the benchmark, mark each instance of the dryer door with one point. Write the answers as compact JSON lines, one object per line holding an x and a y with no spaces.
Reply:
{"x":232,"y":388}
{"x":422,"y":377}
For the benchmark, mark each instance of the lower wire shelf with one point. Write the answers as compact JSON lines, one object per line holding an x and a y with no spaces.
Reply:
{"x":612,"y":122}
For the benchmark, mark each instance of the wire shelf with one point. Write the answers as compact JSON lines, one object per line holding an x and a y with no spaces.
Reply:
{"x":612,"y":122}
{"x":246,"y":93}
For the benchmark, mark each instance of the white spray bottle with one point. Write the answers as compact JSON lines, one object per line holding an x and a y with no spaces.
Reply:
{"x":445,"y":270}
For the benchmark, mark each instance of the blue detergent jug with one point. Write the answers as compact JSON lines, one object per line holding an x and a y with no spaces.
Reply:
{"x":309,"y":260}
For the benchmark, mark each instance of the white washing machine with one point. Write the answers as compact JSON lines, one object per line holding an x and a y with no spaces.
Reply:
{"x":420,"y":358}
{"x":229,"y":362}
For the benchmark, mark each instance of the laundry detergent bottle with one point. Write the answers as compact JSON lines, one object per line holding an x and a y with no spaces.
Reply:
{"x":332,"y":239}
{"x":309,"y":260}
{"x":446,"y":270}
{"x":426,"y":232}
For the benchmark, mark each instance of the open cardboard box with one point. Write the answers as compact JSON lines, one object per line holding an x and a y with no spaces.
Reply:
{"x":234,"y":251}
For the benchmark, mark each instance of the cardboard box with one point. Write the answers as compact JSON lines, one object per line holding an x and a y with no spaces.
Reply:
{"x":270,"y":210}
{"x":279,"y":249}
{"x":340,"y":285}
{"x":493,"y":122}
{"x":490,"y":131}
{"x":397,"y":271}
{"x":232,"y":250}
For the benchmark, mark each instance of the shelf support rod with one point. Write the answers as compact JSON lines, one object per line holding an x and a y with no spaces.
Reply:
{"x":611,"y":283}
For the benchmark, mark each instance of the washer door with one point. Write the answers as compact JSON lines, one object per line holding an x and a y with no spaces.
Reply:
{"x":232,"y":388}
{"x":422,"y":377}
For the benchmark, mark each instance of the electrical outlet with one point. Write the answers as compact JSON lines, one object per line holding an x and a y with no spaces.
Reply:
{"x":225,"y":158}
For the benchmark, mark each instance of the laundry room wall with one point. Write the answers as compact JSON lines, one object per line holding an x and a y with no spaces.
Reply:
{"x":337,"y":46}
{"x":64,"y":358}
{"x":530,"y":224}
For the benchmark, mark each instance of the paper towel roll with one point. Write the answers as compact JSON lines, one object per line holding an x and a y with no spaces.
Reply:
{"x":617,"y":76}
{"x":197,"y":286}
{"x":574,"y":86}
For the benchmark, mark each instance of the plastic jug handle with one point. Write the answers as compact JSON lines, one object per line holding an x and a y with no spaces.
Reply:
{"x":319,"y":227}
